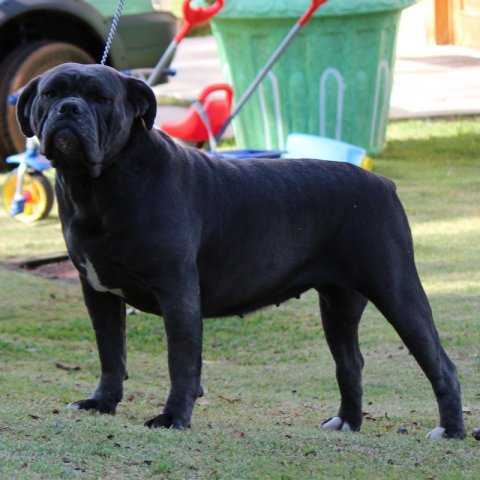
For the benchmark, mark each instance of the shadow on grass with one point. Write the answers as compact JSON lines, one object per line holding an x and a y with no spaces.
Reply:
{"x":454,"y":150}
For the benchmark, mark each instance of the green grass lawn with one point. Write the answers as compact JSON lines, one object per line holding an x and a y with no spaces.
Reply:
{"x":269,"y":378}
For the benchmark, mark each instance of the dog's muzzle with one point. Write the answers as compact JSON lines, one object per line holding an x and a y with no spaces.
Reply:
{"x":66,"y":141}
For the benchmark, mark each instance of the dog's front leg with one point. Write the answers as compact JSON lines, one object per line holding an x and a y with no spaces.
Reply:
{"x":107,"y":313}
{"x":183,"y":323}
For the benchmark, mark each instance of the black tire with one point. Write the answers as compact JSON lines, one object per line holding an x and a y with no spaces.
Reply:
{"x":20,"y":66}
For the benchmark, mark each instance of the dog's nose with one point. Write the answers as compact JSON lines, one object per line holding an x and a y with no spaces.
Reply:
{"x":69,"y":107}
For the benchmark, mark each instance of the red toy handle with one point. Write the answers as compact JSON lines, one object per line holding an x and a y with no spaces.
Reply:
{"x":217,"y":87}
{"x":196,"y":16}
{"x":311,"y":10}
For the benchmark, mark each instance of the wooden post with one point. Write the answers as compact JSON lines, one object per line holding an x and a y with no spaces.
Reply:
{"x":444,"y":29}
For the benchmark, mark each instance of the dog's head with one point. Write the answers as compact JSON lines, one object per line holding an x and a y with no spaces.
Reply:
{"x":84,"y":114}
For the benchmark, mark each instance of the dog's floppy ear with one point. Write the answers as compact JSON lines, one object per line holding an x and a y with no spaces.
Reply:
{"x":24,"y":106}
{"x":143,"y":100}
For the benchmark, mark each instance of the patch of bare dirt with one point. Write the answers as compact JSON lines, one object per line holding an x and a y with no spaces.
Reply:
{"x":57,"y":271}
{"x":55,"y":267}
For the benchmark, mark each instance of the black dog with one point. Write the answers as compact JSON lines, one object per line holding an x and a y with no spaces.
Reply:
{"x":175,"y":232}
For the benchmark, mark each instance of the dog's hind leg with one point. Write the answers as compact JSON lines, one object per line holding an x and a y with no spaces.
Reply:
{"x":341,"y":311}
{"x":406,"y":307}
{"x":391,"y":282}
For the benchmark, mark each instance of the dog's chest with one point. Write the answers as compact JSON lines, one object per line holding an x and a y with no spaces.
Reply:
{"x":91,"y":273}
{"x":100,"y":259}
{"x":116,"y":263}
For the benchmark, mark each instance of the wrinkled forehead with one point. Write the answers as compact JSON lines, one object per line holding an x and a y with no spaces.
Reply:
{"x":73,"y":77}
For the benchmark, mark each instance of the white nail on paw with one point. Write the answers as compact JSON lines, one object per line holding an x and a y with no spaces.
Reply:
{"x":436,"y":434}
{"x":337,"y":424}
{"x":334,"y":423}
{"x":346,"y":427}
{"x":73,"y":406}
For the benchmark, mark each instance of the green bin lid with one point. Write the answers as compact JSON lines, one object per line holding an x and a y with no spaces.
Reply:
{"x":295,"y":8}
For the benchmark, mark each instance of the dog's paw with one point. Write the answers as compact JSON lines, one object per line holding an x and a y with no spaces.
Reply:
{"x":161,"y":421}
{"x":436,"y":434}
{"x":439,"y":433}
{"x":476,"y":434}
{"x":93,"y":404}
{"x":337,"y":424}
{"x":165,"y":420}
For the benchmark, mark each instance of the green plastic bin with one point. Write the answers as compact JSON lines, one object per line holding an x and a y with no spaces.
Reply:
{"x":334,"y":80}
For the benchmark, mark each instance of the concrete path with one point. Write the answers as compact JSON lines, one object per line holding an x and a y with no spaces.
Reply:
{"x":438,"y":81}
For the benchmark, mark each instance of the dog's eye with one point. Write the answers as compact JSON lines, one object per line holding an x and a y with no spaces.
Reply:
{"x":102,"y":99}
{"x":50,"y":94}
